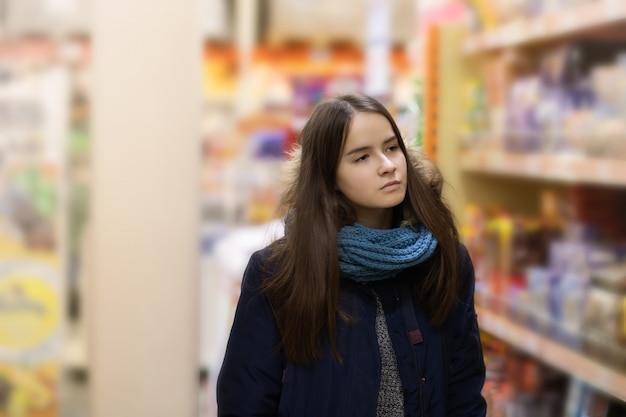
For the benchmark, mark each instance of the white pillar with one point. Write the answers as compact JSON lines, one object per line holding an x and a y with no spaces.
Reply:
{"x":143,"y":289}
{"x":245,"y":38}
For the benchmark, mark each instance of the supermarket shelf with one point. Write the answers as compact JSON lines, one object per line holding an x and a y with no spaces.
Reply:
{"x":558,"y":23}
{"x":566,"y":168}
{"x":554,"y":354}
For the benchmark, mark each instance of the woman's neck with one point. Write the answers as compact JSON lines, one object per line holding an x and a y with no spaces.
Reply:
{"x":378,"y":220}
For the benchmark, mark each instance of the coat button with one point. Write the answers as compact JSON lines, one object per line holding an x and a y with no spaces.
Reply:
{"x":423,"y":380}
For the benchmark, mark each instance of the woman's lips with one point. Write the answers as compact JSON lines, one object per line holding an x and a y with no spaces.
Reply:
{"x":391,"y":185}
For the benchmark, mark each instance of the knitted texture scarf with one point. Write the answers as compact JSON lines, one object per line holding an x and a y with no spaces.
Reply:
{"x":367,"y":254}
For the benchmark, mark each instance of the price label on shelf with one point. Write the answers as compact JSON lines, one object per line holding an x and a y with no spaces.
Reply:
{"x":484,"y":319}
{"x":533,"y":166}
{"x":499,"y":329}
{"x":537,"y":29}
{"x":612,"y":9}
{"x":531,"y":344}
{"x":570,"y":21}
{"x":491,"y":38}
{"x":603,"y":171}
{"x":550,"y":22}
{"x":496,"y":161}
{"x":480,"y":42}
{"x":624,"y":316}
{"x":592,"y":13}
{"x":518,"y":32}
{"x":618,"y":172}
{"x":550,"y":356}
{"x":561,"y":169}
{"x":506,"y":35}
{"x":603,"y":379}
{"x":478,"y":161}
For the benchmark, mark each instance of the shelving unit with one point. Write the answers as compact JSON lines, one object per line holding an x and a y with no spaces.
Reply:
{"x":567,"y":360}
{"x":516,"y":179}
{"x":564,"y":168}
{"x":556,"y":24}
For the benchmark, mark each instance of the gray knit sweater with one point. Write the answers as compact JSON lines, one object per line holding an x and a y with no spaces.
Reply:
{"x":390,"y":397}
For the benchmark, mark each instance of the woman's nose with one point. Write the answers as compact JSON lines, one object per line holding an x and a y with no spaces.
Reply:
{"x":386,"y":165}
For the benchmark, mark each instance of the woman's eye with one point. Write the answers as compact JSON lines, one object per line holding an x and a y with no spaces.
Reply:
{"x":393,"y":148}
{"x":361,"y":158}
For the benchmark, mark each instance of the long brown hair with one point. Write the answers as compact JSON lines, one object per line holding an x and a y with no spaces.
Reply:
{"x":304,"y":286}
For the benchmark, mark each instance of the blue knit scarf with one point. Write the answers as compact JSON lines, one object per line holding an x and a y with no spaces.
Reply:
{"x":367,"y":254}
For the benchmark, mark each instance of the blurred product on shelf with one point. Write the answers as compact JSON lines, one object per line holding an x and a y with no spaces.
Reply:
{"x":601,"y":327}
{"x":519,"y":386}
{"x":562,"y":274}
{"x":570,"y":99}
{"x":538,"y":149}
{"x":491,"y":14}
{"x":601,"y":19}
{"x":43,"y":210}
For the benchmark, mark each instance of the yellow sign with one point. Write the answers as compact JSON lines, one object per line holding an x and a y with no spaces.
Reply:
{"x":29,"y":311}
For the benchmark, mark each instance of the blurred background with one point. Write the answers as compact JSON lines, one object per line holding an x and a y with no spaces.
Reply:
{"x":521,"y":104}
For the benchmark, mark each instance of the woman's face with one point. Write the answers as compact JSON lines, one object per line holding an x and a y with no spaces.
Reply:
{"x":372,"y":170}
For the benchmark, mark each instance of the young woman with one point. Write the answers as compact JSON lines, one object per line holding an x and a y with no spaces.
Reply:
{"x":365,"y":307}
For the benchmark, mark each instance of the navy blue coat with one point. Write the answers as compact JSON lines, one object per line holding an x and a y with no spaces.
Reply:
{"x":441,"y":368}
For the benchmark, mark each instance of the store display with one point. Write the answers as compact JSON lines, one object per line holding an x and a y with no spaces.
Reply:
{"x":568,"y":101}
{"x":32,"y":242}
{"x":549,"y":276}
{"x":517,"y":385}
{"x":542,"y":22}
{"x":541,"y":136}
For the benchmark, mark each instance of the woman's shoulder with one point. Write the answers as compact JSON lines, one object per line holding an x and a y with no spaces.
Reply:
{"x":465,"y":274}
{"x":258,"y":270}
{"x":259,"y":263}
{"x":263,"y":255}
{"x":464,"y":260}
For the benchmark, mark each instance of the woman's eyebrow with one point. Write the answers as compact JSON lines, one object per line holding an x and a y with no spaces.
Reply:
{"x":357,"y":150}
{"x":364,"y":148}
